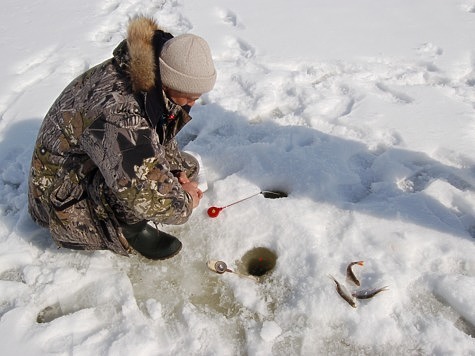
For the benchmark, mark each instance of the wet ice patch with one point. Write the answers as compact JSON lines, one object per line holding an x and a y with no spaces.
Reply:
{"x":458,"y":291}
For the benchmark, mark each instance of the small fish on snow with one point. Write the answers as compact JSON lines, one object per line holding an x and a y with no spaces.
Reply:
{"x":368,"y":293}
{"x":343,"y":292}
{"x":350,"y":276}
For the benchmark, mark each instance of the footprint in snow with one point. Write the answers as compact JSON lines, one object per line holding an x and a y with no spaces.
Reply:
{"x":242,"y":47}
{"x":394,"y":94}
{"x":421,"y":179}
{"x":110,"y":6}
{"x":431,"y":49}
{"x":469,"y":7}
{"x":230,"y":18}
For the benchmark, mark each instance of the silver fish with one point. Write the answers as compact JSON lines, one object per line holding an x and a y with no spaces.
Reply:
{"x":343,"y":292}
{"x":350,"y":276}
{"x":368,"y":293}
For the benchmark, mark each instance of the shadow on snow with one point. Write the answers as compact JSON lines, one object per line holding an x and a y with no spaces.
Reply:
{"x":390,"y":183}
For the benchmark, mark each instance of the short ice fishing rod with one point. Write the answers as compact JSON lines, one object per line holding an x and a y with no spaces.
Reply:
{"x":214,"y":211}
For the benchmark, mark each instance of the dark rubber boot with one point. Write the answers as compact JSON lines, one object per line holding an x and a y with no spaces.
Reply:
{"x":150,"y":242}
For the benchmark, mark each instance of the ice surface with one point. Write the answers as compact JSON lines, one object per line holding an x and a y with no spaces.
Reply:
{"x":362,"y":111}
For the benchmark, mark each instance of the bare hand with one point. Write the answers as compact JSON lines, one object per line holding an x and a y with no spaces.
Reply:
{"x":192,"y":189}
{"x":182,"y":178}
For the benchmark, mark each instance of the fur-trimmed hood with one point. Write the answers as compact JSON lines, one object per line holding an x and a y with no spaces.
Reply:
{"x":142,"y":65}
{"x":144,"y":43}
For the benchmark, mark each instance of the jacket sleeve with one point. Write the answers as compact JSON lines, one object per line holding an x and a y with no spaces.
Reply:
{"x":173,"y":156}
{"x":135,"y":168}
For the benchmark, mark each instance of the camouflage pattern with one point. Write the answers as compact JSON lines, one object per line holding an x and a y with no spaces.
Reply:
{"x":100,"y":160}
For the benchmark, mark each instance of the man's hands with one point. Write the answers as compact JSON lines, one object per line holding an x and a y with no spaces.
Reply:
{"x":191,"y":188}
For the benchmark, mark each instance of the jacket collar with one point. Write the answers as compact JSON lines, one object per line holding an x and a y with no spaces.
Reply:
{"x":164,"y":115}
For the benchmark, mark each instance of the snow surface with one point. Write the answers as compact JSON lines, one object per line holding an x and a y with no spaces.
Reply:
{"x":363,"y":111}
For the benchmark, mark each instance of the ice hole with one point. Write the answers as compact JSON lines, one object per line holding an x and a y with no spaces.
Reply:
{"x":258,"y":261}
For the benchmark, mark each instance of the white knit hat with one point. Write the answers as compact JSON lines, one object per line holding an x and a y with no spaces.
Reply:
{"x":186,"y":65}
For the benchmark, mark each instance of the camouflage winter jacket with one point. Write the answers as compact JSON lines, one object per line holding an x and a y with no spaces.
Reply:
{"x":111,"y":130}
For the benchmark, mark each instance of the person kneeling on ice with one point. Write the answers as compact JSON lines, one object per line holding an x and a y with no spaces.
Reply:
{"x":106,"y":161}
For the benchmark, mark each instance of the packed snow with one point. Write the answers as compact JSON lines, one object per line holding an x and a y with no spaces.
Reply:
{"x":362,"y":111}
